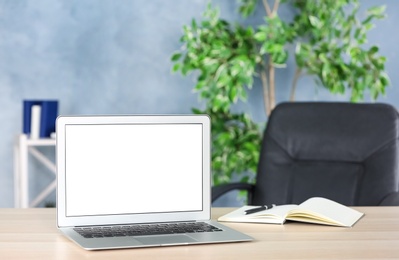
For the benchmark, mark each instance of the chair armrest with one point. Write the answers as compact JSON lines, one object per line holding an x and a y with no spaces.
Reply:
{"x":218,"y":191}
{"x":391,"y":200}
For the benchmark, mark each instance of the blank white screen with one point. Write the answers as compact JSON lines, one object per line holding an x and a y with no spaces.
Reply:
{"x":133,"y":168}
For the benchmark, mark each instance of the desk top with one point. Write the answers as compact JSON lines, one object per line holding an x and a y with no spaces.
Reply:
{"x":32,"y":234}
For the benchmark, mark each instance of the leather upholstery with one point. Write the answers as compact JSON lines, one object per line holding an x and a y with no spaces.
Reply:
{"x":342,"y":151}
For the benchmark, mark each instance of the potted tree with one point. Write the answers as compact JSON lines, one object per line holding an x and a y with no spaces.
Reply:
{"x":328,"y":39}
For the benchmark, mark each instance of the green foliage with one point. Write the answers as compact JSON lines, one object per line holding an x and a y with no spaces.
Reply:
{"x":225,"y":57}
{"x":329,"y":41}
{"x":247,"y":7}
{"x":273,"y":37}
{"x":235,"y":146}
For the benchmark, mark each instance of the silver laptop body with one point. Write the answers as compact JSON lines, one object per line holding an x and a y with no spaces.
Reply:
{"x":123,"y":171}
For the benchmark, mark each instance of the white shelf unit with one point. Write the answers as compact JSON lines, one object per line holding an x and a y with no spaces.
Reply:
{"x":23,"y":147}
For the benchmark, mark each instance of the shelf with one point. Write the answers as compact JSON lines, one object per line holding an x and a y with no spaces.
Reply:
{"x":40,"y":142}
{"x":23,"y":147}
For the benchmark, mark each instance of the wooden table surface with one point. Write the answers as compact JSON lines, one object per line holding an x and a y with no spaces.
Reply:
{"x":32,"y":234}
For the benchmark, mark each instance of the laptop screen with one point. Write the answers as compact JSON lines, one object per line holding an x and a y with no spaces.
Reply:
{"x":120,"y":169}
{"x":133,"y":168}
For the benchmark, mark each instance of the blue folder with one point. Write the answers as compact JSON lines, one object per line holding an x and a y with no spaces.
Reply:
{"x":49,"y":112}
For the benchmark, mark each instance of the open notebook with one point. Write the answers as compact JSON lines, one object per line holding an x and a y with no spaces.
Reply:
{"x":136,"y":181}
{"x":314,"y":210}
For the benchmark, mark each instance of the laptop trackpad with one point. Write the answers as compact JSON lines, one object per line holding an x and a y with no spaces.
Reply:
{"x":165,"y":239}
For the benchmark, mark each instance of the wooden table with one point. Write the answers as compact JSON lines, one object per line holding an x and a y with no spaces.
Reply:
{"x":32,"y":234}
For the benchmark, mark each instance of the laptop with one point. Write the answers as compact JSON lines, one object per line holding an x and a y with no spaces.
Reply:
{"x":136,"y":181}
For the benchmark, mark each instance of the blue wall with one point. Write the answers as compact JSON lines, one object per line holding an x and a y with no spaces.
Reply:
{"x":112,"y":57}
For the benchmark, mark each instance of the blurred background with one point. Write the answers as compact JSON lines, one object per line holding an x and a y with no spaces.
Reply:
{"x":113,"y":57}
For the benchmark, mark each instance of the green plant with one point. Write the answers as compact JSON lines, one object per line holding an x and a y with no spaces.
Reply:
{"x":235,"y":146}
{"x":225,"y":60}
{"x":328,"y":39}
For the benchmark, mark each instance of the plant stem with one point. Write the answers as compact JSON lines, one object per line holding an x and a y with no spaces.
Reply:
{"x":275,"y":6}
{"x":269,"y":11}
{"x":267,"y":8}
{"x":294,"y":83}
{"x":272,"y":97}
{"x":266,"y":102}
{"x":269,"y":88}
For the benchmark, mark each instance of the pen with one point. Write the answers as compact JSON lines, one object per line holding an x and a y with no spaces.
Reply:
{"x":261,"y":208}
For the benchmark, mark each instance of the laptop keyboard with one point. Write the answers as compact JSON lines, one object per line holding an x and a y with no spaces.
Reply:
{"x":146,"y":229}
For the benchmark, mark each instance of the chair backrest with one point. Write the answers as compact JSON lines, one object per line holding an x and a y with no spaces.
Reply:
{"x":343,"y":151}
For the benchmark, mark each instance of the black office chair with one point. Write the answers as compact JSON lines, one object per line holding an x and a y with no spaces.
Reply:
{"x":342,"y":151}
